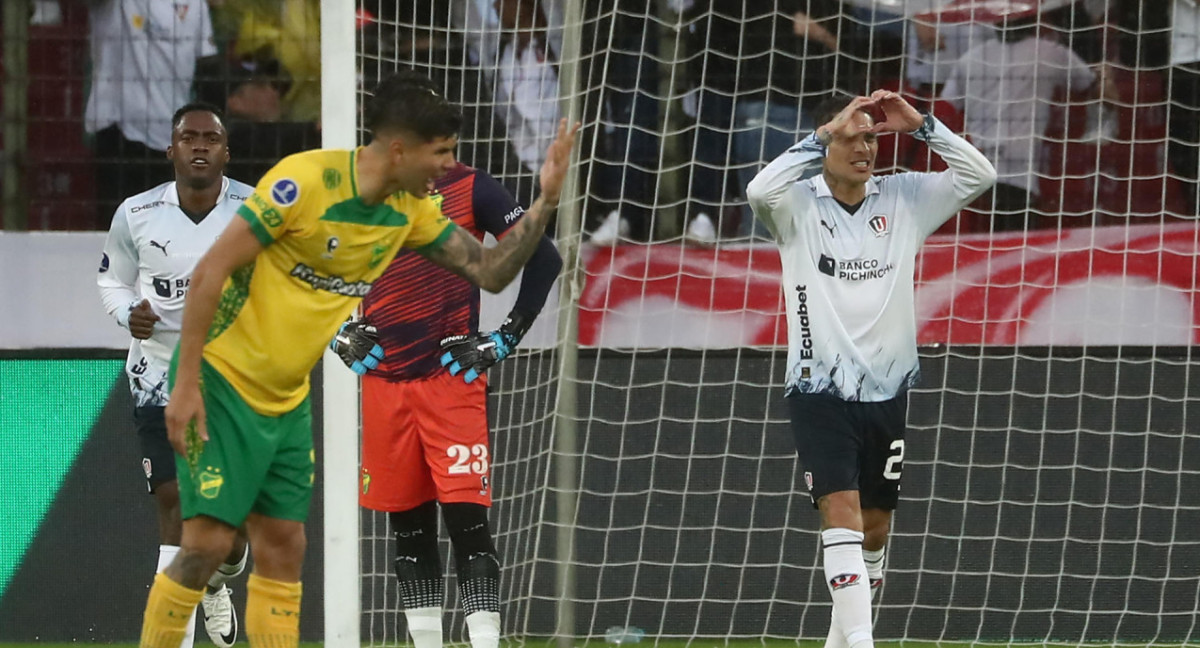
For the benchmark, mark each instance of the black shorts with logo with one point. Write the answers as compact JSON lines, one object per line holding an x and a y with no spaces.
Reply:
{"x":846,"y":446}
{"x":158,"y":457}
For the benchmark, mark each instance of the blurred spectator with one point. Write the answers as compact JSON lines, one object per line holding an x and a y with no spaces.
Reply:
{"x":760,"y":67}
{"x":1005,"y":88}
{"x":526,"y":84}
{"x":288,"y":31}
{"x":252,"y":93}
{"x":1183,"y":149}
{"x":933,"y":49}
{"x":1076,"y":26}
{"x":144,"y":57}
{"x":623,"y":175}
{"x":416,"y":34}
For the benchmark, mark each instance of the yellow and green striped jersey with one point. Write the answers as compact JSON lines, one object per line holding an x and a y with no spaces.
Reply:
{"x":323,"y":249}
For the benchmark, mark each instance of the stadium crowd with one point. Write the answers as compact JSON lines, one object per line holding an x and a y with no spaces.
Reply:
{"x":1090,"y":107}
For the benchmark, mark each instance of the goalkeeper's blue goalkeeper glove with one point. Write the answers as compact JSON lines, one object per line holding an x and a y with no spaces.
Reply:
{"x":357,"y":344}
{"x":473,"y":354}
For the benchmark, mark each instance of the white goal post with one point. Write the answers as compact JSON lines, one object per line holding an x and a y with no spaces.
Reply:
{"x":644,"y":470}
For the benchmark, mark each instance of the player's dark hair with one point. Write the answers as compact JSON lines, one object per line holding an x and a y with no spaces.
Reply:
{"x":197,"y":106}
{"x":830,"y":107}
{"x":408,"y":101}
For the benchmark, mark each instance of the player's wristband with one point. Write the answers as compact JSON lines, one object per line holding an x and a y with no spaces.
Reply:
{"x":926,"y":130}
{"x":122,"y":314}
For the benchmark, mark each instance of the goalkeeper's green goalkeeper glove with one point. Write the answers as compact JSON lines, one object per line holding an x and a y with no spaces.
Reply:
{"x":473,"y":354}
{"x":357,"y":344}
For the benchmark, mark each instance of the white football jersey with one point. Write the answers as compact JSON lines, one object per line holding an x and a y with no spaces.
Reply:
{"x":848,"y":278}
{"x":151,"y":250}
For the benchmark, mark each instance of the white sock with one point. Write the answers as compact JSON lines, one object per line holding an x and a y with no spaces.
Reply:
{"x":835,"y":638}
{"x":874,"y":560}
{"x":425,"y":626}
{"x":846,"y":576}
{"x":228,"y":570}
{"x":166,"y":553}
{"x":483,"y":628}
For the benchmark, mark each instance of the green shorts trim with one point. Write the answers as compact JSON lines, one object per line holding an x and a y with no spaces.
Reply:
{"x":250,"y":463}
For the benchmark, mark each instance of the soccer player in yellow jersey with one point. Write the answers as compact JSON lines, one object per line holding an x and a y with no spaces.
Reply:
{"x":264,"y":302}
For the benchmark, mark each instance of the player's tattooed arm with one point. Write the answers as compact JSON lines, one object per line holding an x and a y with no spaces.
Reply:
{"x":494,"y":268}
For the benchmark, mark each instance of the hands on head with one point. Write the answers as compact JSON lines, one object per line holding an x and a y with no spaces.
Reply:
{"x":898,"y":117}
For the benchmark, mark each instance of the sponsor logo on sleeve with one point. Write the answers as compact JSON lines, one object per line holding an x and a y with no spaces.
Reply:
{"x":285,"y":192}
{"x":104,"y":262}
{"x":513,"y":215}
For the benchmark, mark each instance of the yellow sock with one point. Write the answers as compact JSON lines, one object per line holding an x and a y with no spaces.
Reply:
{"x":272,"y":613}
{"x":168,"y":611}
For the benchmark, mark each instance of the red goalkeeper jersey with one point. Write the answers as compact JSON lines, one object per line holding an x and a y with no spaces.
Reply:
{"x":416,"y":303}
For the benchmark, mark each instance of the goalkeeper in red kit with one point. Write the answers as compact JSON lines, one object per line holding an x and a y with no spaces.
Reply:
{"x":424,"y":404}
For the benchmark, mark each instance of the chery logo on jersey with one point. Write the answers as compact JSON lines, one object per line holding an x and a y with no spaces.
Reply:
{"x":879,"y":225}
{"x":284,"y":192}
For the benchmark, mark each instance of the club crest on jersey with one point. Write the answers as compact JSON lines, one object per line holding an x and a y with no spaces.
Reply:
{"x":879,"y":225}
{"x":147,"y":467}
{"x":843,"y":580}
{"x":808,"y":480}
{"x":284,"y":192}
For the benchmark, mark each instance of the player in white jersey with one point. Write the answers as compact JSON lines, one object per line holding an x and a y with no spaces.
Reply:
{"x":154,"y":242}
{"x":848,"y":243}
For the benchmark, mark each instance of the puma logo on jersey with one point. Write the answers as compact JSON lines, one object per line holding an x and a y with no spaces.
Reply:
{"x":161,"y":246}
{"x":828,"y":226}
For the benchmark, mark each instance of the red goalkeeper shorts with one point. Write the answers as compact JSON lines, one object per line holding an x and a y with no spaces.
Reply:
{"x":423,"y":440}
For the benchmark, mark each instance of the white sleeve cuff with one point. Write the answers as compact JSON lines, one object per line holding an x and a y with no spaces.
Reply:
{"x":122,"y":313}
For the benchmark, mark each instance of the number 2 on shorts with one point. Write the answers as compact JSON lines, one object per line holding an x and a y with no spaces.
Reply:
{"x":895,"y":463}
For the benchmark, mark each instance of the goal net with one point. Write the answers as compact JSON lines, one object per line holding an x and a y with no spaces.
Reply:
{"x":1049,"y":489}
